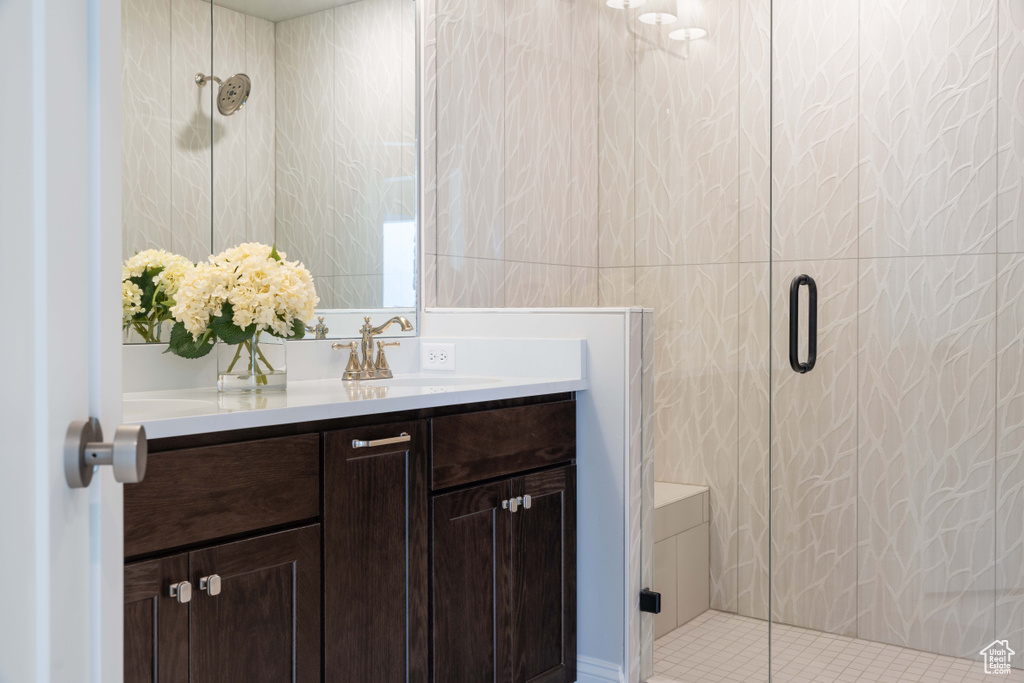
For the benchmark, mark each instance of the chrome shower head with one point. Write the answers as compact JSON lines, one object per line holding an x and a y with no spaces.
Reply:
{"x":232,"y":94}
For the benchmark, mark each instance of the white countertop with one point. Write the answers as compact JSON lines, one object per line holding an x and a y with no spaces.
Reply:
{"x":198,"y":411}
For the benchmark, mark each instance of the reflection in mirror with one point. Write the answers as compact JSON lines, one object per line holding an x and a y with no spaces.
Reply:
{"x":297,"y":128}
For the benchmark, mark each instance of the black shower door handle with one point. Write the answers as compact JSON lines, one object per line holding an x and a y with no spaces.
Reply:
{"x":794,"y":323}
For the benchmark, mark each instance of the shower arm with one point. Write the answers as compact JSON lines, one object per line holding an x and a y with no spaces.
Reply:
{"x":202,"y":80}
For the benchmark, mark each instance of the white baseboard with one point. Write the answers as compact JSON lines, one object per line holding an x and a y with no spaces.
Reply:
{"x":589,"y":670}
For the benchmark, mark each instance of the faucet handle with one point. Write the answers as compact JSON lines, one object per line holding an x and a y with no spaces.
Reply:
{"x":352,"y":369}
{"x":381,"y":366}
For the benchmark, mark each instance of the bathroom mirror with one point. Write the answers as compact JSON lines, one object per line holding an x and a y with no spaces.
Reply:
{"x":287,"y":122}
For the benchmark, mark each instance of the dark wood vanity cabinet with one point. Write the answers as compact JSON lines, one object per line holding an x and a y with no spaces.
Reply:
{"x":504,"y":582}
{"x":375,"y":554}
{"x":381,"y":549}
{"x":263,"y":623}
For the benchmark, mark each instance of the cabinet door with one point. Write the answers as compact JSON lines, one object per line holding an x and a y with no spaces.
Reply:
{"x":471,"y":592}
{"x":155,"y":624}
{"x":264,"y":625}
{"x":375,"y":555}
{"x":544,"y":578}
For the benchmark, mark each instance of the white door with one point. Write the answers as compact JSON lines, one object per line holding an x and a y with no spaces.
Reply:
{"x":60,"y":355}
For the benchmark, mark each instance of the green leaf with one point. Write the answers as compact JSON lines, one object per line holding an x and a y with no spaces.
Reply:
{"x":273,"y":253}
{"x":182,"y":344}
{"x":225,"y":328}
{"x":299,"y":328}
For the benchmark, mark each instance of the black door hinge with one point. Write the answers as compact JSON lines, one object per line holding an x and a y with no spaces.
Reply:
{"x":650,"y":601}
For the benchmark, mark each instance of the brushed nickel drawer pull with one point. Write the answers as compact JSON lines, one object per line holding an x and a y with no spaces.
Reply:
{"x":401,"y":438}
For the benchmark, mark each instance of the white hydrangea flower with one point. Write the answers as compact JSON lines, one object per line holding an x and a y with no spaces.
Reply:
{"x":261,"y":290}
{"x":131,"y":299}
{"x":174,"y":266}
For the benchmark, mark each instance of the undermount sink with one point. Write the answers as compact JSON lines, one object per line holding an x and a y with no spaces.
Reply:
{"x":437,"y":381}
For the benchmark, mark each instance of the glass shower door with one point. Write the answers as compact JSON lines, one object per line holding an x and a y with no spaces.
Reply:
{"x":897,"y":475}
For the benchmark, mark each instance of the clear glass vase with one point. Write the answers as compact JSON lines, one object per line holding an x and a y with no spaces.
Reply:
{"x":256,"y":365}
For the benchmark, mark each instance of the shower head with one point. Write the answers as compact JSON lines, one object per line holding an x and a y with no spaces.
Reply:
{"x":232,"y":94}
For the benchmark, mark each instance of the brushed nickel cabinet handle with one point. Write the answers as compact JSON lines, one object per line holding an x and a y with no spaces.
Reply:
{"x":401,"y":438}
{"x":527,"y":502}
{"x":182,"y":592}
{"x":210,"y":584}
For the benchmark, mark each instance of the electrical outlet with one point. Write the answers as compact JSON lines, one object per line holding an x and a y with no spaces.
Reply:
{"x":437,"y":356}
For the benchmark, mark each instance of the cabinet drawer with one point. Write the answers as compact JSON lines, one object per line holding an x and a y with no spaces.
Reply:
{"x":199,"y":494}
{"x":494,"y":443}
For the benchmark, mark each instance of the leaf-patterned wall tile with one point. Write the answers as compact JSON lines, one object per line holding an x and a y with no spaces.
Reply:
{"x":928,"y":127}
{"x":470,"y":283}
{"x":754,"y":423}
{"x":1009,"y":511}
{"x":1010,"y":115}
{"x":814,"y":129}
{"x":191,"y":117}
{"x":230,"y":205}
{"x":470,"y":128}
{"x":755,"y":119}
{"x":146,"y":119}
{"x":696,"y":333}
{"x":616,"y":286}
{"x":305,"y":164}
{"x":538,"y":163}
{"x":537,"y":285}
{"x":687,"y":143}
{"x":927,"y":452}
{"x":260,"y":131}
{"x":814,"y":453}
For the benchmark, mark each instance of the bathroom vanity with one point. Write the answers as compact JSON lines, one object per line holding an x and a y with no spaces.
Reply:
{"x":432,"y":544}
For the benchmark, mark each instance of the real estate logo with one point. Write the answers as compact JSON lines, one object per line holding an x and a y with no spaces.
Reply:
{"x":997,"y":657}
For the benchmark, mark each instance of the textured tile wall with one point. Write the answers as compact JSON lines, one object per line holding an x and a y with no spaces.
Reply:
{"x":172,"y":194}
{"x":513,"y":91}
{"x":345,"y":129}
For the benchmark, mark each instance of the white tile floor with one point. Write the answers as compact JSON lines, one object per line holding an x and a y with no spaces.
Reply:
{"x":718,"y":647}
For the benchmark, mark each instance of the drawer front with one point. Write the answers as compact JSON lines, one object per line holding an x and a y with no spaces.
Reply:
{"x":199,"y":494}
{"x":494,"y":443}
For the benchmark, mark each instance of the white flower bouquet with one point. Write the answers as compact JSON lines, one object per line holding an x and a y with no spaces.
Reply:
{"x":239,"y":295}
{"x":149,"y":282}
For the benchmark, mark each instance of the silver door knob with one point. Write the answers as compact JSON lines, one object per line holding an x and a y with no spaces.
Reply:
{"x":84,"y":448}
{"x":210,"y":584}
{"x":182,"y":592}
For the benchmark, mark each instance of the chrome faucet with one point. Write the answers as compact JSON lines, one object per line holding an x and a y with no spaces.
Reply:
{"x":369,"y":368}
{"x":320,"y":331}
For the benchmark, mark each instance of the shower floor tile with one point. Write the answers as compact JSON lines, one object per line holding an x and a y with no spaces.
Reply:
{"x":718,"y":647}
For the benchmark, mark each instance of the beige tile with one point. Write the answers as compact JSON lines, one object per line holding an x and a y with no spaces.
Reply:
{"x":146,"y":140}
{"x":928,"y":128}
{"x":754,"y":417}
{"x":814,"y":455}
{"x":666,"y":582}
{"x":687,"y":147}
{"x":470,"y":128}
{"x":470,"y":283}
{"x":815,"y":129}
{"x":616,"y":189}
{"x":584,"y":287}
{"x":190,"y":111}
{"x":616,"y":286}
{"x":536,"y":284}
{"x":754,"y":130}
{"x":584,"y":124}
{"x":304,"y":71}
{"x":675,"y":518}
{"x":1009,"y":518}
{"x":695,"y":421}
{"x":538,"y":150}
{"x":230,"y":202}
{"x":1011,"y":126}
{"x":693,"y":578}
{"x":926,"y":455}
{"x":260,"y":132}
